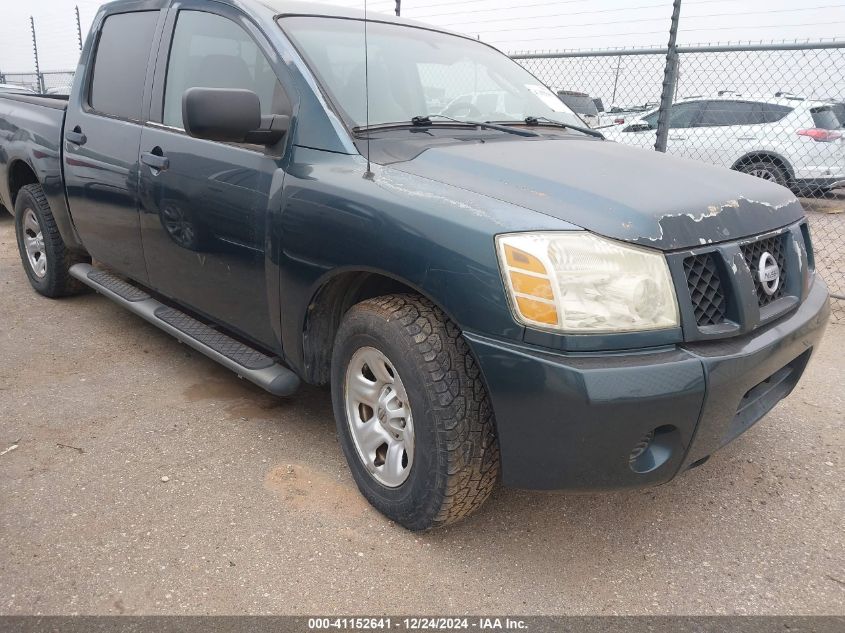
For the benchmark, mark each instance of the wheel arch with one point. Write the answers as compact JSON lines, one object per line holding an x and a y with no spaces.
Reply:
{"x":768,"y":157}
{"x":333,"y":296}
{"x":21,"y":174}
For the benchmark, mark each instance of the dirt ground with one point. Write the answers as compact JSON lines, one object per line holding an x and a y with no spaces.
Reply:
{"x":146,"y":479}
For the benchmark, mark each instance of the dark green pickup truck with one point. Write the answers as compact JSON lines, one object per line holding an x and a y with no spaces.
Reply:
{"x":492,"y":290}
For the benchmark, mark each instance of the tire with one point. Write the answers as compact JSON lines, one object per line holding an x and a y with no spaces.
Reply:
{"x":766,"y":170}
{"x":454,"y":461}
{"x":47,"y":267}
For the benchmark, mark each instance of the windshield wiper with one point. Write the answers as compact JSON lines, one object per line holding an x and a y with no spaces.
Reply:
{"x":533,"y":121}
{"x":424,"y":121}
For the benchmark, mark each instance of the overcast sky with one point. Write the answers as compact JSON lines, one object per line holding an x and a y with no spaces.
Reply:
{"x":510,"y":25}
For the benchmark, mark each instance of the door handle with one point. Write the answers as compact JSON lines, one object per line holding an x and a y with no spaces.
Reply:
{"x":76,"y":136}
{"x":155,"y":160}
{"x":677,"y":138}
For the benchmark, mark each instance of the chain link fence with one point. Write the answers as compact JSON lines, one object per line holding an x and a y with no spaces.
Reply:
{"x":56,"y":82}
{"x":775,"y":111}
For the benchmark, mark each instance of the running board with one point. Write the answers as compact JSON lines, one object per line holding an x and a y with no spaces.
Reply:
{"x":245,"y":361}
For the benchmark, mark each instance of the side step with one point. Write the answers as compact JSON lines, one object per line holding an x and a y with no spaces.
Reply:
{"x":245,"y":361}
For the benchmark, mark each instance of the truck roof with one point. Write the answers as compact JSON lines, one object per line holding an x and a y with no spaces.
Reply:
{"x":282,"y":7}
{"x":323,"y":9}
{"x":295,"y":7}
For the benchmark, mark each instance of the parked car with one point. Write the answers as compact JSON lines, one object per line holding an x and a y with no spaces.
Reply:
{"x":581,"y":104}
{"x":618,"y":114}
{"x":792,"y":142}
{"x":519,"y":300}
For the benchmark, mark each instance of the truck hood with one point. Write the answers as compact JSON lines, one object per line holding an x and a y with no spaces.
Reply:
{"x":625,"y":193}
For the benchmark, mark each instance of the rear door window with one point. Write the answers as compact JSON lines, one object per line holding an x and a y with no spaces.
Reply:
{"x":726,"y":113}
{"x":120,"y":64}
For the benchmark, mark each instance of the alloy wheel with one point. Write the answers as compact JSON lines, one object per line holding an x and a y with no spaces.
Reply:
{"x":765,"y":174}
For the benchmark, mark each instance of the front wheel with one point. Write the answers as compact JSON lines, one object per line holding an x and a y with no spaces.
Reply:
{"x":412,"y":412}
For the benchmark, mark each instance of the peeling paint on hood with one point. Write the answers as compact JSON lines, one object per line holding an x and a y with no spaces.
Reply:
{"x":620,"y":192}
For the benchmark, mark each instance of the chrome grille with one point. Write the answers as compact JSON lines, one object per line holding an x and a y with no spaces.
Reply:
{"x":752,"y":251}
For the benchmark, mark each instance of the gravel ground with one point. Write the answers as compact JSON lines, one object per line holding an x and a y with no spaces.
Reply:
{"x":146,"y":479}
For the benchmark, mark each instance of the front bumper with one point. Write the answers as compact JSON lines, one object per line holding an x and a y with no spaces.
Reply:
{"x":578,"y":422}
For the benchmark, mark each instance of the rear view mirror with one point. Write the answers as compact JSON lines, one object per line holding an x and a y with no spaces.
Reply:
{"x":638,"y":126}
{"x":230,"y":116}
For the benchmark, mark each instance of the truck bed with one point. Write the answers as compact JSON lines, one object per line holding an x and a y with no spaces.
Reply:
{"x":57,"y":102}
{"x":31,"y":132}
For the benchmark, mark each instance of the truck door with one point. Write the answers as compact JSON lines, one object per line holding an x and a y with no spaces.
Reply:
{"x":206,"y":206}
{"x":102,"y":137}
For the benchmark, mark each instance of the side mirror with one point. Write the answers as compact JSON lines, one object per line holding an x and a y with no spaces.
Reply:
{"x":638,"y":126}
{"x":230,"y":116}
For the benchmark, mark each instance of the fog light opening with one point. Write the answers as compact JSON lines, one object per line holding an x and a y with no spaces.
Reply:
{"x":654,"y":449}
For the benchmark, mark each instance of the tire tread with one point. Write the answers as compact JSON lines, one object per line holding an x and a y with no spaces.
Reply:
{"x":469,"y":454}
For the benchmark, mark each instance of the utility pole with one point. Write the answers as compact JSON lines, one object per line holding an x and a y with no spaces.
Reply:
{"x":78,"y":28}
{"x":670,"y":77}
{"x":35,"y":50}
{"x":398,"y":7}
{"x":616,"y":80}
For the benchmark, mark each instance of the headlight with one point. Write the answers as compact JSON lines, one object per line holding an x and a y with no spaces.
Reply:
{"x":580,"y":283}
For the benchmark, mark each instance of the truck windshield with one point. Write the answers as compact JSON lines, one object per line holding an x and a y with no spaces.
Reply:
{"x":415,"y":71}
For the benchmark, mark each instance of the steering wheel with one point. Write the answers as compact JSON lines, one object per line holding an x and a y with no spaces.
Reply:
{"x":460,"y":107}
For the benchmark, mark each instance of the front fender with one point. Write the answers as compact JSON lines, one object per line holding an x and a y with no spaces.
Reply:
{"x":435,"y":238}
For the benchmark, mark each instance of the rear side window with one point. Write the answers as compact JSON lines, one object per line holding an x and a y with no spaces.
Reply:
{"x":825,"y":118}
{"x":772,"y":112}
{"x":120,"y":64}
{"x":210,"y":51}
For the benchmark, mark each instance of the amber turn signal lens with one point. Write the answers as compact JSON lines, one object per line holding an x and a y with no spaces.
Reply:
{"x":537,"y":311}
{"x":539,"y":287}
{"x":520,"y":259}
{"x":530,"y":286}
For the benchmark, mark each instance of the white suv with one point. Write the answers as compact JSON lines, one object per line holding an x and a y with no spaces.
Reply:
{"x":796,"y":143}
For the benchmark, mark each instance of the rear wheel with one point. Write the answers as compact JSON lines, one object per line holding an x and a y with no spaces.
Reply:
{"x":45,"y":258}
{"x":413,"y":415}
{"x":767,"y":171}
